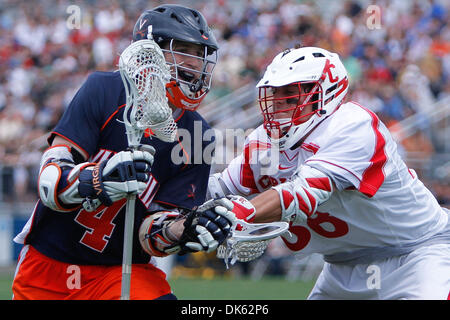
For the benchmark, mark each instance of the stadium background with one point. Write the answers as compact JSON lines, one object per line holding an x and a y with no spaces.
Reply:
{"x":397,"y":53}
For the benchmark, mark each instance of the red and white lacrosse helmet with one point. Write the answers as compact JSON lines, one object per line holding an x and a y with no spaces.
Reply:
{"x":316,"y":77}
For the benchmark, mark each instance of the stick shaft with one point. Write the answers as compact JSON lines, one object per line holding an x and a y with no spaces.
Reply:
{"x":128,"y":248}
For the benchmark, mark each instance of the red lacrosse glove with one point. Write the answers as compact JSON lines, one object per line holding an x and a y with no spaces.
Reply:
{"x":242,"y":208}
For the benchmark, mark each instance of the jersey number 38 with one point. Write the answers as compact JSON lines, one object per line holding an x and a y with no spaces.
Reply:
{"x":317,"y":224}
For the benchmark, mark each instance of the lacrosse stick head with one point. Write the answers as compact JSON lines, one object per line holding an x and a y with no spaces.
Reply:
{"x":250,"y":242}
{"x":145,"y":74}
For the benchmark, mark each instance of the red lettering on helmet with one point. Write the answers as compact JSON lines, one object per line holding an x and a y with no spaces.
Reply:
{"x":327,"y":71}
{"x":344,"y":84}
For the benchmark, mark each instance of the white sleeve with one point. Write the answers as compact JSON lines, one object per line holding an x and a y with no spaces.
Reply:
{"x":243,"y":171}
{"x":237,"y":177}
{"x":353,"y":154}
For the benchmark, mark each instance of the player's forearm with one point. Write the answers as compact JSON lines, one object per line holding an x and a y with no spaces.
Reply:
{"x":175,"y":230}
{"x":300,"y":197}
{"x":156,"y":236}
{"x":267,"y":205}
{"x":182,"y":231}
{"x":295,"y":200}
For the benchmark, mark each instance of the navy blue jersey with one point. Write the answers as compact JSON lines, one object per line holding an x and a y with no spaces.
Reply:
{"x":93,"y":122}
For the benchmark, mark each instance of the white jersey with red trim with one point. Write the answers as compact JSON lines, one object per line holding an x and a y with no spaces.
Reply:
{"x":377,"y":203}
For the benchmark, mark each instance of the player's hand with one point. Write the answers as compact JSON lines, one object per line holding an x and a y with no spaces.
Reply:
{"x":207,"y":227}
{"x":242,"y":208}
{"x":127,"y":172}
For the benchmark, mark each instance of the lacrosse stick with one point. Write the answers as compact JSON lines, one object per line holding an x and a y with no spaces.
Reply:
{"x":145,"y":74}
{"x":250,"y":242}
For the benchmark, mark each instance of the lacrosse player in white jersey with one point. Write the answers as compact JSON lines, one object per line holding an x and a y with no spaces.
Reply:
{"x":335,"y":175}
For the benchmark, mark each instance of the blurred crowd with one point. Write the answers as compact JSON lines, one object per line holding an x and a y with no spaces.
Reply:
{"x":397,"y":54}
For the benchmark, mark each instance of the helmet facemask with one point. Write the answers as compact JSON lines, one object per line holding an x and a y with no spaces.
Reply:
{"x":320,"y":82}
{"x":191,"y":74}
{"x":285,"y":113}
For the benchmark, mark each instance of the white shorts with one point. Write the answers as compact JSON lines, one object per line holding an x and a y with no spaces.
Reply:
{"x":423,"y":274}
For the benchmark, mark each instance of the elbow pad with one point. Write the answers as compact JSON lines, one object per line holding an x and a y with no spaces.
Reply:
{"x":58,"y":179}
{"x":300,"y":197}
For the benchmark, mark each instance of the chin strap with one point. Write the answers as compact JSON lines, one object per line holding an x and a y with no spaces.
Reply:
{"x":179,"y":100}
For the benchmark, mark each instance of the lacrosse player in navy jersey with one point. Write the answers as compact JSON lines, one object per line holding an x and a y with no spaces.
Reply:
{"x":73,"y":241}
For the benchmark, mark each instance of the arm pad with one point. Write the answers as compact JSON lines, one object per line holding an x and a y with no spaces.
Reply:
{"x":154,"y":237}
{"x":300,"y":197}
{"x":58,"y":179}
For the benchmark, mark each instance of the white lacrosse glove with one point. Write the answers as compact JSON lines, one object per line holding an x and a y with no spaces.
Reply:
{"x":208,"y":226}
{"x":127,"y":172}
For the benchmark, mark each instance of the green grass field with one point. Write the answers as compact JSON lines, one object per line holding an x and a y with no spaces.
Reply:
{"x":269,"y":288}
{"x":5,"y":286}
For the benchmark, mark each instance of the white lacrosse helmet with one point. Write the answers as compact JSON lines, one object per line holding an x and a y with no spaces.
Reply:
{"x":320,"y":80}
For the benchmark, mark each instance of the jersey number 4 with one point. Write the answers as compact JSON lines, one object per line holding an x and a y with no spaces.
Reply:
{"x":99,"y":225}
{"x":340,"y":228}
